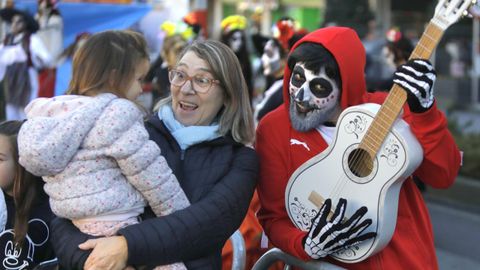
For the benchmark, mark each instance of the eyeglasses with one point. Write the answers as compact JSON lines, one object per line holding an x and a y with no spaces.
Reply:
{"x":199,"y":84}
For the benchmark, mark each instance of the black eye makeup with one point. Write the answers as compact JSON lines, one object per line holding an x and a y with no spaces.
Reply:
{"x":331,"y":73}
{"x":298,"y":76}
{"x":320,"y":87}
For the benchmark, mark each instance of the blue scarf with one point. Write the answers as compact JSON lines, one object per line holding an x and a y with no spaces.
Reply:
{"x":186,"y":136}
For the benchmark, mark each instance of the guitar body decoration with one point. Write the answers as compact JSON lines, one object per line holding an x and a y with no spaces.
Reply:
{"x":400,"y":154}
{"x":372,"y":154}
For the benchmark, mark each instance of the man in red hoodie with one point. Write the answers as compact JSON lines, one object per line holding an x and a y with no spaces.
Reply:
{"x":324,"y":76}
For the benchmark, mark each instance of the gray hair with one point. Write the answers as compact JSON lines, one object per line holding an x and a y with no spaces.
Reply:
{"x":236,"y":116}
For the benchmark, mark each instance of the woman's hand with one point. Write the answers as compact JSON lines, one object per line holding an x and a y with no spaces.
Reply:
{"x":109,"y":253}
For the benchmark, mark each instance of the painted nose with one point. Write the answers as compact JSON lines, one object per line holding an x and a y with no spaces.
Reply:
{"x":299,"y":95}
{"x":303,"y":95}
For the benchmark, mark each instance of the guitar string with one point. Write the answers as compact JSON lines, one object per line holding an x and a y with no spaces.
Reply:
{"x":357,"y":156}
{"x":424,"y":48}
{"x":359,"y":164}
{"x":379,"y":123}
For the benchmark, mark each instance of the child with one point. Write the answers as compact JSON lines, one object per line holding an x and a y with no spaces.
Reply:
{"x":91,"y":147}
{"x":25,"y":212}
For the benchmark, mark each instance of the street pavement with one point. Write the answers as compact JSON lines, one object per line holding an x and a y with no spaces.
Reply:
{"x":470,"y":120}
{"x":455,"y":215}
{"x":452,"y":261}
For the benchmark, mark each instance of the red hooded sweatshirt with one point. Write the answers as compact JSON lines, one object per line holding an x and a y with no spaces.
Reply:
{"x":411,"y":246}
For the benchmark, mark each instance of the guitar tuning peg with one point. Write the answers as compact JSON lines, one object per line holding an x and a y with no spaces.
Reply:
{"x":466,"y":14}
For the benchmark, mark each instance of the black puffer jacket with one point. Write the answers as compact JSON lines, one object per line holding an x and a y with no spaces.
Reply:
{"x":218,"y":177}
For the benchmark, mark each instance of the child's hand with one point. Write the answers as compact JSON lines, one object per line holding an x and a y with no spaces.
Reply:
{"x":109,"y":253}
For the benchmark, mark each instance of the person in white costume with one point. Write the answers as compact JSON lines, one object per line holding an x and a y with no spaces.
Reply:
{"x":51,"y":33}
{"x":21,"y":55}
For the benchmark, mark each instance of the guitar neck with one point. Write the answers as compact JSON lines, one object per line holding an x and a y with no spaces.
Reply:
{"x":391,"y":108}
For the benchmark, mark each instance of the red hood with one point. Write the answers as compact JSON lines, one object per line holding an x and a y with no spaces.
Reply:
{"x":343,"y":43}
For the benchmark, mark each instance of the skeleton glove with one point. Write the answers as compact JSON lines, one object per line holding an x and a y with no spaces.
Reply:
{"x":417,"y":77}
{"x":328,"y":236}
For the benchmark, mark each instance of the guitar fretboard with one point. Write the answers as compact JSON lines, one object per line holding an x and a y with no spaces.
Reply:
{"x":389,"y":111}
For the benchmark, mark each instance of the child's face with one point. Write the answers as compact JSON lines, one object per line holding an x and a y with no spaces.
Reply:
{"x":135,"y":88}
{"x":7,"y":165}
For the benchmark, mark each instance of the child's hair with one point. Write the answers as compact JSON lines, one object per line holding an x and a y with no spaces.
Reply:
{"x":26,"y":186}
{"x":107,"y":63}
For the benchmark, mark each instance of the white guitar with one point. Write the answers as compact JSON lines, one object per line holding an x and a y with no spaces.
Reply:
{"x":376,"y":151}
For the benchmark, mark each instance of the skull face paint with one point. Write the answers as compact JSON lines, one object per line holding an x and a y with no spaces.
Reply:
{"x":236,"y":42}
{"x":313,"y":98}
{"x":270,"y":58}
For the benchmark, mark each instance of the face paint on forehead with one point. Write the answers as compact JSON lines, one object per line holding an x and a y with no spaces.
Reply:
{"x":270,"y":58}
{"x":313,"y":90}
{"x":270,"y":49}
{"x":236,"y":41}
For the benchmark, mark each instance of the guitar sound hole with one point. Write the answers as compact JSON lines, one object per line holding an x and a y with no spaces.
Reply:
{"x":360,"y":163}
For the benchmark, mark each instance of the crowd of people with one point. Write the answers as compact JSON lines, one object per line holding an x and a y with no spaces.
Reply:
{"x":155,"y":164}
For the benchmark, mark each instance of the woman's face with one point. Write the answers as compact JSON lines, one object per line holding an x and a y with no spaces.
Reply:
{"x":7,"y":165}
{"x":18,"y":24}
{"x":271,"y":60}
{"x":190,"y":107}
{"x":236,"y":42}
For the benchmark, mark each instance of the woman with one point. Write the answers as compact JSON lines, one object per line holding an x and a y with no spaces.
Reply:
{"x":234,"y":35}
{"x":51,"y":33}
{"x":23,"y":54}
{"x":202,"y":129}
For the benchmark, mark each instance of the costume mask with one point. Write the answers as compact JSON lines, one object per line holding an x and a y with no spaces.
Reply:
{"x":270,"y":59}
{"x":236,"y":41}
{"x":313,"y":98}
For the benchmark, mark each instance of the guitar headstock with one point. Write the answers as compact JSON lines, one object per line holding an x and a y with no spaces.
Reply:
{"x":447,"y":12}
